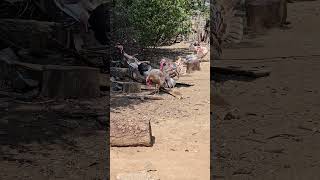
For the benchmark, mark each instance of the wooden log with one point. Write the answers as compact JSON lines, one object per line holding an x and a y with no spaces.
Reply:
{"x":265,"y":14}
{"x":129,"y":132}
{"x":70,"y":82}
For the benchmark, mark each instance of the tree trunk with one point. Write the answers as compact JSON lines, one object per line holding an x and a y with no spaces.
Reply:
{"x":129,"y":132}
{"x":70,"y":82}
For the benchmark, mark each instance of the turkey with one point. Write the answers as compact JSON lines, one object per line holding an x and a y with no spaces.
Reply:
{"x":135,"y":67}
{"x":156,"y":77}
{"x":199,"y":50}
{"x":192,"y":62}
{"x":144,"y":69}
{"x":170,"y":68}
{"x":226,"y":27}
{"x":159,"y":79}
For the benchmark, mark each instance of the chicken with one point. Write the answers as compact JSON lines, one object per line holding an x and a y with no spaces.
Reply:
{"x":170,"y":68}
{"x":157,"y":77}
{"x":226,"y":27}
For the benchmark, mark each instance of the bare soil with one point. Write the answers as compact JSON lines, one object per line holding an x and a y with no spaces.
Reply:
{"x":181,"y":129}
{"x":273,"y":132}
{"x":53,"y":139}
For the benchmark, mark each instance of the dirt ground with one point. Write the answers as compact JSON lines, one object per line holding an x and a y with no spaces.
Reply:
{"x":53,"y":139}
{"x":274,"y":133}
{"x":181,"y":128}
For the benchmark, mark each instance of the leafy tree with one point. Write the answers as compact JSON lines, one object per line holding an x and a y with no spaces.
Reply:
{"x":155,"y":22}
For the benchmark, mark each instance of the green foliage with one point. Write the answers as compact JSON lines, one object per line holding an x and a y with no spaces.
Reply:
{"x":156,"y":21}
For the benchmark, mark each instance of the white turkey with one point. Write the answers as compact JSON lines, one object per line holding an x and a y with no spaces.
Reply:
{"x":191,"y":62}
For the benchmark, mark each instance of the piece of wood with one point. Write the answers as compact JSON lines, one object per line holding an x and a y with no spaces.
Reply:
{"x":265,"y":14}
{"x":70,"y":82}
{"x":253,"y":73}
{"x":129,"y":132}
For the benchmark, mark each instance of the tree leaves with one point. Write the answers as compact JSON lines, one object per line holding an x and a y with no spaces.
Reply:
{"x":157,"y":21}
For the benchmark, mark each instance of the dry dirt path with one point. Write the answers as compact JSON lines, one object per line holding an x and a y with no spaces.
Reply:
{"x":181,"y":129}
{"x":274,"y":138}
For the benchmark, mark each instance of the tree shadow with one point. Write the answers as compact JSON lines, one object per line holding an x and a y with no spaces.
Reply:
{"x":30,"y":123}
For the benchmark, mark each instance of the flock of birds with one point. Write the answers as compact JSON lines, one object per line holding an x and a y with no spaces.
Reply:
{"x":164,"y":76}
{"x":169,"y":71}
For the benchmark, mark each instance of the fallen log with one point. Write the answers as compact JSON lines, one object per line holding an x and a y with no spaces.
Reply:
{"x":70,"y":82}
{"x":132,"y":132}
